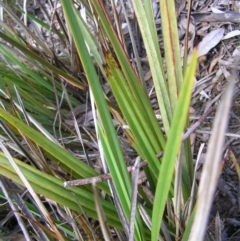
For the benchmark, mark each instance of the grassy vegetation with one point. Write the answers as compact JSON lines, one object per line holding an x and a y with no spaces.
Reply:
{"x":42,"y":88}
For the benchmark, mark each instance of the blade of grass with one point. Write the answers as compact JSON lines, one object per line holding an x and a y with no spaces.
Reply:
{"x":68,"y":78}
{"x":108,"y":134}
{"x":28,"y":33}
{"x":119,"y":184}
{"x":148,"y":30}
{"x":31,"y":190}
{"x":171,"y":44}
{"x":172,"y":149}
{"x":211,"y":167}
{"x":15,"y":211}
{"x":130,"y":76}
{"x":138,"y":125}
{"x":101,"y":215}
{"x":52,"y":188}
{"x":62,"y":155}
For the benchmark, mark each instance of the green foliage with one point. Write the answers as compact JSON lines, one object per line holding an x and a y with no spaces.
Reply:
{"x":33,"y":86}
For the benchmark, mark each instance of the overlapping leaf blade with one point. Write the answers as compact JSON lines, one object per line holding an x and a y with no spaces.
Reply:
{"x":108,"y":134}
{"x":172,"y":148}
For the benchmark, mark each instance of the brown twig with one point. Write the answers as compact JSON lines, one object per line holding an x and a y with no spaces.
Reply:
{"x":103,"y":177}
{"x":100,"y":178}
{"x":107,"y":176}
{"x":232,"y":17}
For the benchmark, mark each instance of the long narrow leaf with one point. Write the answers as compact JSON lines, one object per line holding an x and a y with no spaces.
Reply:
{"x":171,"y":44}
{"x":52,"y":188}
{"x":53,"y":149}
{"x":135,"y":119}
{"x":211,"y":168}
{"x":108,"y":135}
{"x":126,"y":67}
{"x":45,"y":63}
{"x":155,"y":63}
{"x":172,"y":148}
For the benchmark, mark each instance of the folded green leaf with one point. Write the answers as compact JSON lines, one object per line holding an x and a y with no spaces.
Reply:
{"x":172,"y":148}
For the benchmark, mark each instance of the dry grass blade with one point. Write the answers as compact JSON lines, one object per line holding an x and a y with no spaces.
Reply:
{"x":31,"y":190}
{"x":135,"y":174}
{"x":218,"y":228}
{"x":15,"y":210}
{"x":102,"y":218}
{"x":178,"y":194}
{"x":26,"y":211}
{"x":211,"y":167}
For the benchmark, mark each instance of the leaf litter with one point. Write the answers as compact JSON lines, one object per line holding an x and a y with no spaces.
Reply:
{"x":218,"y":43}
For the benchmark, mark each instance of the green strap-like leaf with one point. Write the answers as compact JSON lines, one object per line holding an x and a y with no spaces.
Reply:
{"x":171,"y":44}
{"x":108,"y":134}
{"x":172,"y":148}
{"x":53,"y":149}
